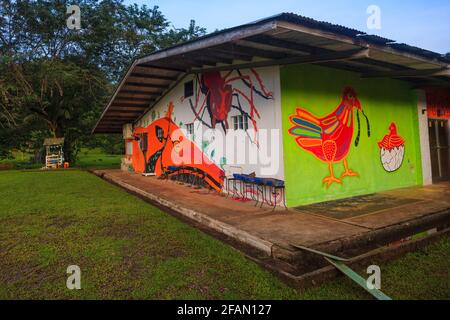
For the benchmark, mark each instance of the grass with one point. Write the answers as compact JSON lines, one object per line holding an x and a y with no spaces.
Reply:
{"x":128,"y":249}
{"x":95,"y":158}
{"x":87,"y":158}
{"x":20,"y":160}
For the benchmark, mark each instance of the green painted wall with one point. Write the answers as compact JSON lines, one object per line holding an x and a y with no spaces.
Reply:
{"x":319,"y":90}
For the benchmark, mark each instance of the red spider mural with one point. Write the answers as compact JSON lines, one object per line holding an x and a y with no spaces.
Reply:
{"x":218,"y":97}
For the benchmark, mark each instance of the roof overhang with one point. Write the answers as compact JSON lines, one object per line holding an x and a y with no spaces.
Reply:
{"x":279,"y":40}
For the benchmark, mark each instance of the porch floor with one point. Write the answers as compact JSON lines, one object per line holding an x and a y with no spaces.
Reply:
{"x":328,"y":227}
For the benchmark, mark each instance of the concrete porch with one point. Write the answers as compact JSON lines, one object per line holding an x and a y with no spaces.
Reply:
{"x":345,"y":228}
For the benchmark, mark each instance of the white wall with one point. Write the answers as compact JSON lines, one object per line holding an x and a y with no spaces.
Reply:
{"x":265,"y":158}
{"x":424,"y":137}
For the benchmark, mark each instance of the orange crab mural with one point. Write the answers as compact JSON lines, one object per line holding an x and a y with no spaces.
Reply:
{"x":329,"y":138}
{"x":162,"y":146}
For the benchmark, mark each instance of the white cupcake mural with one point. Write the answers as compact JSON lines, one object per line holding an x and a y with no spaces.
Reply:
{"x":392,"y":150}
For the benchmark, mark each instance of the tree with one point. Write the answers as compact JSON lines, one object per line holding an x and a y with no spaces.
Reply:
{"x":179,"y":35}
{"x":55,"y":81}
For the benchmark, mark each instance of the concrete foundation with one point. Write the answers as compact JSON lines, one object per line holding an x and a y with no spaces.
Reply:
{"x":272,"y":237}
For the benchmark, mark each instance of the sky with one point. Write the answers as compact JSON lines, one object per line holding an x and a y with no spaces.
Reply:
{"x":421,"y":23}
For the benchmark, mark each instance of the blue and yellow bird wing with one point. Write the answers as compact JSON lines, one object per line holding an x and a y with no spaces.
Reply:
{"x":333,"y":123}
{"x":307,"y":128}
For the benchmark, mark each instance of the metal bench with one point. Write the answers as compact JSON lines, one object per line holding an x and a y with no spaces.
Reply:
{"x":269,"y":189}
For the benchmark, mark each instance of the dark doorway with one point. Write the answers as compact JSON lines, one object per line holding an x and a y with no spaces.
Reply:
{"x":440,"y":149}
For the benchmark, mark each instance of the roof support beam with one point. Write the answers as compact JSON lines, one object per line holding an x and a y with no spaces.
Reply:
{"x":161,"y":96}
{"x":409,"y":73}
{"x":144,"y":84}
{"x":128,"y":107}
{"x":327,"y":57}
{"x":383,"y":64}
{"x":358,"y":42}
{"x":134,"y":100}
{"x":187,"y":62}
{"x":212,"y":40}
{"x":122,"y":116}
{"x":130,"y":101}
{"x":133,"y":93}
{"x":149,"y":80}
{"x":153,"y":66}
{"x":250,"y":52}
{"x":152,"y":76}
{"x":115,"y":119}
{"x":285,"y":44}
{"x":112,"y":123}
{"x":259,"y":50}
{"x":202,"y":59}
{"x":141,"y":89}
{"x":225,"y":54}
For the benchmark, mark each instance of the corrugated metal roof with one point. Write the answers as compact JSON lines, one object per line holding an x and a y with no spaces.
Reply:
{"x":371,"y":38}
{"x":323,"y":25}
{"x":419,"y":51}
{"x":279,"y":39}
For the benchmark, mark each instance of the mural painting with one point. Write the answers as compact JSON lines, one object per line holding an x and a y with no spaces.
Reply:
{"x":205,"y":110}
{"x":438,"y":103}
{"x":392,"y":150}
{"x":330,"y":138}
{"x":316,"y":88}
{"x":220,"y":96}
{"x":162,"y":145}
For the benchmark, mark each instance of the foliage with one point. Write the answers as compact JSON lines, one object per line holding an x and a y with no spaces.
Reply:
{"x":61,"y":94}
{"x":107,"y":143}
{"x":87,"y":158}
{"x":56,"y":81}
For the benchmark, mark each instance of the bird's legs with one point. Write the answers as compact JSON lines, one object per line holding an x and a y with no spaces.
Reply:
{"x":331,"y":179}
{"x":348,"y":172}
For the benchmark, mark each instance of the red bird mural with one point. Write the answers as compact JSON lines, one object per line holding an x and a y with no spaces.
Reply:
{"x":329,"y":138}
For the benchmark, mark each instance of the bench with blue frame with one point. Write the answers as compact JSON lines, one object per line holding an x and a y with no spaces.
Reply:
{"x":268,"y":188}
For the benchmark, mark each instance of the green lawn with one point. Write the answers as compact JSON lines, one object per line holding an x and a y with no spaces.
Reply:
{"x":95,"y":158}
{"x":20,"y":160}
{"x":87,"y":158}
{"x":128,"y":249}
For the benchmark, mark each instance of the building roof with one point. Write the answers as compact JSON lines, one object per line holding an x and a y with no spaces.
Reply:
{"x":53,"y":141}
{"x":283,"y":39}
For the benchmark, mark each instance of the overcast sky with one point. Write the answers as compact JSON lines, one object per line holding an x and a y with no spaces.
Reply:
{"x":422,"y":23}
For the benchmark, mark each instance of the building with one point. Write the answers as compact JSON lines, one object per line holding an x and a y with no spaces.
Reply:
{"x":323,"y":111}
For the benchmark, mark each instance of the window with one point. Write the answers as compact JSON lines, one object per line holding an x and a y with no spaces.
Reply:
{"x":190,"y":129}
{"x":240,"y":122}
{"x":188,"y":89}
{"x":143,"y":142}
{"x":159,"y":133}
